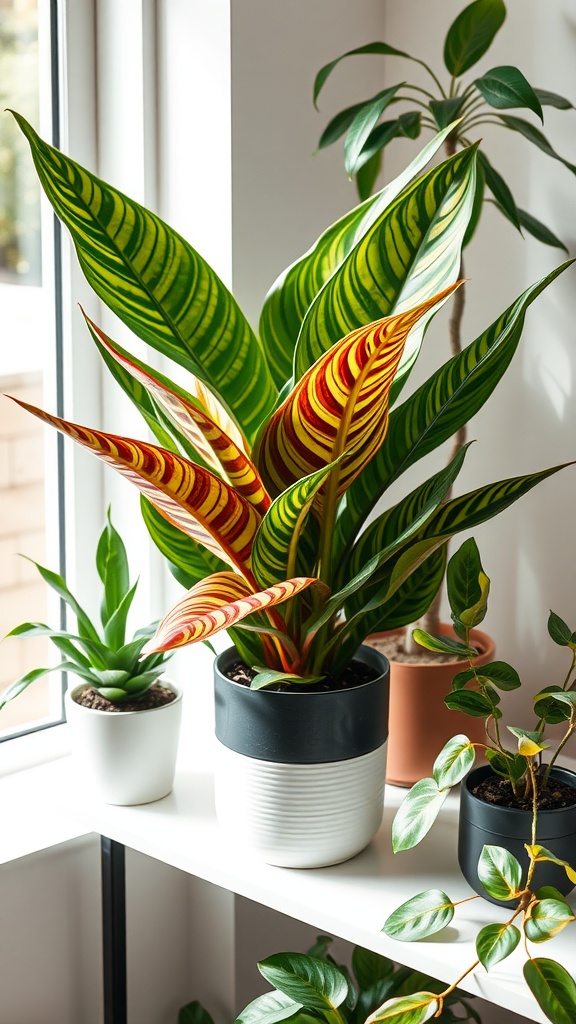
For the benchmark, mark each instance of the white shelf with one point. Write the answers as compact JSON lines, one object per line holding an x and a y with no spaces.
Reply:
{"x":49,"y":805}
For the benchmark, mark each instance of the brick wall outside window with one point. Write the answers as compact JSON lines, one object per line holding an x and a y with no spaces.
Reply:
{"x":23,"y":595}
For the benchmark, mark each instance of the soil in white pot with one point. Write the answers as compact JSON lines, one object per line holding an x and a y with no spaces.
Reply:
{"x":156,"y":696}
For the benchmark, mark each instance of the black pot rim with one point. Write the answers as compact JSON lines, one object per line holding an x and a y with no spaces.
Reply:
{"x":302,"y":727}
{"x":368,"y":652}
{"x":504,"y":818}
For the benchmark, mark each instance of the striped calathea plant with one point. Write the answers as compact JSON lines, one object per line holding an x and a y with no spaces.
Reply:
{"x":524,"y":763}
{"x":270,"y":460}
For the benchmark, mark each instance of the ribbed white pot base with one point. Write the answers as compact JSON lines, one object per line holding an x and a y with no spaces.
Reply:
{"x":300,"y":815}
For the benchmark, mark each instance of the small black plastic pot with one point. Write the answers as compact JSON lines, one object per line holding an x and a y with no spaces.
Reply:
{"x":483,"y":823}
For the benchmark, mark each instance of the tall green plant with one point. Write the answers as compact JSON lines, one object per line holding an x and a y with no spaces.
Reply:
{"x":271,"y":458}
{"x":453,"y":94}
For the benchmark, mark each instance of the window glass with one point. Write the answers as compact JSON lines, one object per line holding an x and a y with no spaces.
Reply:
{"x":27,"y":360}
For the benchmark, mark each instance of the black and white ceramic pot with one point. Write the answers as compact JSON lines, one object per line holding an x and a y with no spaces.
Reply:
{"x":483,"y":823}
{"x":300,"y":775}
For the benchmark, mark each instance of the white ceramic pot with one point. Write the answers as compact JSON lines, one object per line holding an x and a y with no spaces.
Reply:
{"x":299,"y":778}
{"x":126,"y":757}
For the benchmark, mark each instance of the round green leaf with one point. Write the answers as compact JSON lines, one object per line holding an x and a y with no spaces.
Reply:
{"x":495,"y":942}
{"x":547,"y":918}
{"x":194,"y":1013}
{"x":506,"y":87}
{"x":460,"y":680}
{"x":424,"y":914}
{"x":499,"y":873}
{"x":414,"y":1009}
{"x":501,"y":674}
{"x":549,"y":892}
{"x":453,"y":762}
{"x":317,"y":984}
{"x":553,"y":989}
{"x":559,"y":630}
{"x":416,"y":814}
{"x":470,"y":702}
{"x":471,"y":34}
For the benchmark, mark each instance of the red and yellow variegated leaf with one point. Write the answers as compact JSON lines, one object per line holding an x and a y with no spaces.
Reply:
{"x":190,"y":497}
{"x":206,"y":434}
{"x":339,"y":405}
{"x":216,"y":603}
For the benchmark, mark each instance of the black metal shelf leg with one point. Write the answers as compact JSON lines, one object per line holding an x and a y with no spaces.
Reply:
{"x":113,"y":861}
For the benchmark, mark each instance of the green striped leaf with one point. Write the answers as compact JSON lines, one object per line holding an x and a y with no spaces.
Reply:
{"x":157,"y":284}
{"x":425,"y":914}
{"x":411,"y":252}
{"x":406,"y":605}
{"x":437,"y":409}
{"x":402,"y":521}
{"x":291,"y":295}
{"x":469,"y":510}
{"x":499,"y":872}
{"x":274,"y":555}
{"x":416,"y":814}
{"x":317,"y":984}
{"x":495,"y":942}
{"x":547,"y":918}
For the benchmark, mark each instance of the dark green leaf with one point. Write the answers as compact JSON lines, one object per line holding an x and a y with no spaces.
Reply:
{"x":470,"y":703}
{"x":381,"y":49}
{"x":85,"y":627}
{"x":499,"y":873}
{"x":338,"y":125}
{"x":539,"y":230}
{"x":499,"y":763}
{"x":549,"y":892}
{"x":410,"y":124}
{"x":553,"y":989}
{"x":471,"y":34}
{"x":453,"y":762}
{"x":547,"y":918}
{"x":112,"y":566}
{"x":445,"y":111}
{"x":416,"y":814}
{"x":317,"y":984}
{"x":115,"y":628}
{"x":369,"y":967}
{"x":463,"y":580}
{"x":495,"y":942}
{"x":552,"y":99}
{"x":268,"y":1009}
{"x":320,"y":947}
{"x":16,"y":688}
{"x":559,"y":631}
{"x":499,"y":190}
{"x":503,"y":675}
{"x":534,"y":135}
{"x":477,"y":207}
{"x":367,"y":174}
{"x":423,"y":915}
{"x":194,"y":1013}
{"x":460,"y":680}
{"x":362,"y":125}
{"x":506,"y":87}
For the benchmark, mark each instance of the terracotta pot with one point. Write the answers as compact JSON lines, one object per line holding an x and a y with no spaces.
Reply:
{"x":419,"y":721}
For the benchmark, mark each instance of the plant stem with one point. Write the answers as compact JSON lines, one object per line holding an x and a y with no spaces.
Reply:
{"x":563,"y":742}
{"x":532,"y":864}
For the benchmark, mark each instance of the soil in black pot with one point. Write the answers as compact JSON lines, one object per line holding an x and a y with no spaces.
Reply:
{"x":497,"y":790}
{"x":155,"y":697}
{"x":355,"y":674}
